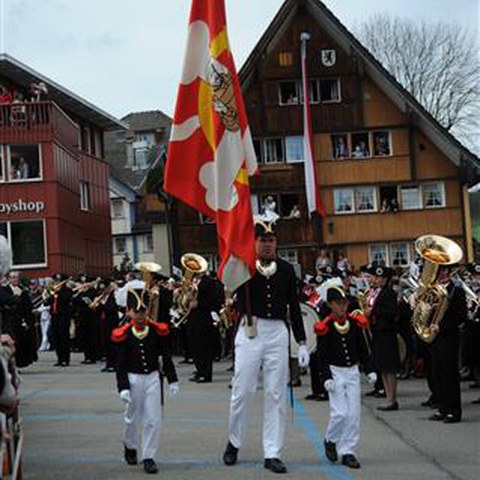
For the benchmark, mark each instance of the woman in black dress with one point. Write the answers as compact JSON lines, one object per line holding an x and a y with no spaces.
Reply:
{"x":384,"y":317}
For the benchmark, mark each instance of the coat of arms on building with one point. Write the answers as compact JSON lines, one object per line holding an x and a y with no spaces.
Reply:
{"x":329,"y":57}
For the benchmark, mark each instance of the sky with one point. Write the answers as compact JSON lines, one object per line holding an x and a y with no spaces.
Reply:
{"x":126,"y":56}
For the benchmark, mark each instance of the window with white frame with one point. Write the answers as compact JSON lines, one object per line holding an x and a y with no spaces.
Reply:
{"x":294,"y":149}
{"x":148,"y":243}
{"x":117,"y":208}
{"x":381,"y":143}
{"x":289,"y":255}
{"x":120,"y":245}
{"x":378,"y":253}
{"x":399,"y":254}
{"x":140,"y":157}
{"x":273,"y":150}
{"x":147,"y":137}
{"x":27,"y":241}
{"x":411,"y":198}
{"x":344,"y":200}
{"x":329,"y":90}
{"x":365,"y":199}
{"x":340,"y":145}
{"x":433,"y":195}
{"x":85,"y":196}
{"x":24,"y":163}
{"x":288,"y":93}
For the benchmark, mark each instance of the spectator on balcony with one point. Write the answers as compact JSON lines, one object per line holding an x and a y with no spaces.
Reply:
{"x":5,"y":96}
{"x":19,"y":110}
{"x":37,"y":92}
{"x":360,"y":150}
{"x":385,"y":208}
{"x":294,"y":213}
{"x":394,"y":205}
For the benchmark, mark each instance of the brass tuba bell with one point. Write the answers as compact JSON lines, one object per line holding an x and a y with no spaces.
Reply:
{"x":186,"y":293}
{"x":431,"y":297}
{"x":148,"y":269}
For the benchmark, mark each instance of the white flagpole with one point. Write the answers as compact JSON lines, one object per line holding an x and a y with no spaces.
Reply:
{"x":310,"y":186}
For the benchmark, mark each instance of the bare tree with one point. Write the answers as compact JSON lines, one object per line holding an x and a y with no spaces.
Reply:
{"x":437,"y":63}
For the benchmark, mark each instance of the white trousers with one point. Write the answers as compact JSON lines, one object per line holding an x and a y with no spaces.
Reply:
{"x":144,"y":412}
{"x":44,"y":324}
{"x":270,"y":350}
{"x":344,"y":423}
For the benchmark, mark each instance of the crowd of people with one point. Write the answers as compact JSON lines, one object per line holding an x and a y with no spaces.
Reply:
{"x":17,"y":99}
{"x":364,"y":320}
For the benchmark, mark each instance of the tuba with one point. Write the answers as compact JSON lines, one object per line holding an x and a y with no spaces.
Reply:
{"x":431,"y":297}
{"x":186,"y":293}
{"x":148,"y":269}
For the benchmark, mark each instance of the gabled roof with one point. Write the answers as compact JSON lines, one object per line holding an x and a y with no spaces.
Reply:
{"x":439,"y":136}
{"x":153,"y":120}
{"x":22,"y":75}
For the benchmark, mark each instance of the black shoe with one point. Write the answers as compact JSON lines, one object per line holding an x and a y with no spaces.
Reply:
{"x":150,"y":466}
{"x":474,"y":385}
{"x":204,"y":380}
{"x":372,"y":393}
{"x":295,"y":383}
{"x":230,"y":455}
{"x":311,"y":396}
{"x":330,"y":451}
{"x":130,"y":455}
{"x":437,"y":417}
{"x":476,"y":402}
{"x":380,"y":394}
{"x":58,"y":364}
{"x":452,"y":418}
{"x":111,"y":369}
{"x":389,"y":408}
{"x":275,"y":465}
{"x":104,"y":369}
{"x":350,"y":461}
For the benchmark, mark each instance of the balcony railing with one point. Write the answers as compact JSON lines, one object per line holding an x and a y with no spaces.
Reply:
{"x":22,"y":123}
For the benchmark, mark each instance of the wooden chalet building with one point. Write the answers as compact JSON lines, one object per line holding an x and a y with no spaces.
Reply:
{"x":388,"y":172}
{"x":54,"y":201}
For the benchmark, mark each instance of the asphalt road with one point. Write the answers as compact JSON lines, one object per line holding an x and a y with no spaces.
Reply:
{"x":72,"y":419}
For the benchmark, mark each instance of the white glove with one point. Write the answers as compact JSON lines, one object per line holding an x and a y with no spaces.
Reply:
{"x":173,"y":389}
{"x":372,"y":378}
{"x":125,"y":396}
{"x":329,"y":385}
{"x":303,"y":356}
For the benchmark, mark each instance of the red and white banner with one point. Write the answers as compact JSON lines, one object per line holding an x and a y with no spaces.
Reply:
{"x":211,"y":154}
{"x":314,"y":202}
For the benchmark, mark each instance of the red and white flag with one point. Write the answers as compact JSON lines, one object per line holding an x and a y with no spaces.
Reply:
{"x":314,"y":202}
{"x":211,"y":154}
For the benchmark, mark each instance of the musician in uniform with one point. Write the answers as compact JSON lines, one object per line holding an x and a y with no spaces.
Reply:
{"x":384,"y":326}
{"x":140,"y":343}
{"x":19,"y":322}
{"x":265,"y":298}
{"x":201,"y":329}
{"x":60,"y":302}
{"x":473,"y":329}
{"x":87,"y":320}
{"x":342,"y":346}
{"x":444,"y":351}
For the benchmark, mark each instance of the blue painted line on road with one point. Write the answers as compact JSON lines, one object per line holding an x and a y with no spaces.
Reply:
{"x":310,"y":430}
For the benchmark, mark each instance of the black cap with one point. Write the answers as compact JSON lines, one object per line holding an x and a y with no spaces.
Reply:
{"x":474,"y":268}
{"x":137,"y":300}
{"x":335,"y":293}
{"x":262,"y":229}
{"x":382,"y":271}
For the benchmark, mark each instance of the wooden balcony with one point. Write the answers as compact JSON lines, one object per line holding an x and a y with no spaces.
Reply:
{"x":388,"y":227}
{"x":23,"y":123}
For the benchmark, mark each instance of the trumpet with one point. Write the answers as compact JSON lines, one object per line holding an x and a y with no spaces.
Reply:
{"x":85,"y":286}
{"x":103,"y":297}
